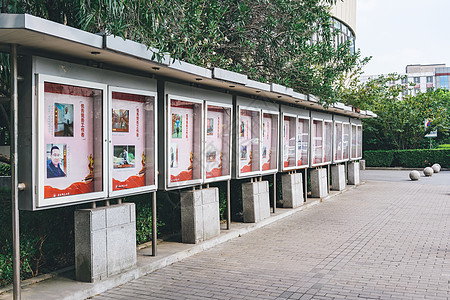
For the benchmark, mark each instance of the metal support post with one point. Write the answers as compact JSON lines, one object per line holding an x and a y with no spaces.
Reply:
{"x":14,"y":174}
{"x":305,"y":184}
{"x":328,"y":178}
{"x":274,"y":192}
{"x":228,"y":204}
{"x":154,"y":225}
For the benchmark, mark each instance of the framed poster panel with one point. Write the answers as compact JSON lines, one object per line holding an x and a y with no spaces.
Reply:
{"x":328,"y":142}
{"x":359,"y":141}
{"x":353,"y":142}
{"x":248,"y":133}
{"x":71,"y":143}
{"x":132,"y":136}
{"x":289,"y":141}
{"x":346,"y":141}
{"x":317,"y":140}
{"x":302,"y":142}
{"x":269,"y":142}
{"x":217,"y":156}
{"x":184,"y":141}
{"x":338,"y":148}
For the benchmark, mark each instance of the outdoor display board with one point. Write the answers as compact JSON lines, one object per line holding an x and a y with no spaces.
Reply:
{"x":133,"y":143}
{"x":302,"y":142}
{"x":317,"y":142}
{"x":328,"y":141}
{"x":346,"y":141}
{"x":248,"y":133}
{"x":289,"y":141}
{"x":341,"y":138}
{"x":338,"y":142}
{"x":71,"y":147}
{"x":321,"y":138}
{"x":269,"y":141}
{"x":356,"y":139}
{"x":184,"y":136}
{"x":217,"y":141}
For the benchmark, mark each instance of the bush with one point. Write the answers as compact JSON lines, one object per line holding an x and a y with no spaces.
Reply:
{"x":416,"y":158}
{"x":444,"y":146}
{"x":5,"y":170}
{"x":379,"y":158}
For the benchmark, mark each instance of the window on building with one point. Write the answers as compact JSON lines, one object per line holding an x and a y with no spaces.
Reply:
{"x":416,"y":80}
{"x":443,"y":81}
{"x":404,"y":80}
{"x":429,"y":79}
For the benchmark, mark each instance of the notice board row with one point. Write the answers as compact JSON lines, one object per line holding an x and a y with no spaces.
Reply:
{"x":88,"y":134}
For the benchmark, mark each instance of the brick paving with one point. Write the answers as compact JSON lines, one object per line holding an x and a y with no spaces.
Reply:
{"x":383,"y":240}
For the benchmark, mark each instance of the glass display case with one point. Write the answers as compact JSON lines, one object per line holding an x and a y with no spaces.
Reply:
{"x":338,"y":142}
{"x":328,"y":141}
{"x":346,"y":141}
{"x":217,"y":142}
{"x":317,"y":142}
{"x":132,"y":122}
{"x":71,"y":147}
{"x":302,"y":141}
{"x":269,"y":142}
{"x":359,"y":141}
{"x":248,"y":134}
{"x":289,"y":141}
{"x":184,"y":136}
{"x":353,"y":143}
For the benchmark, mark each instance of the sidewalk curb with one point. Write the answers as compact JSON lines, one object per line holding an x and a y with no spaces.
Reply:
{"x":83,"y":290}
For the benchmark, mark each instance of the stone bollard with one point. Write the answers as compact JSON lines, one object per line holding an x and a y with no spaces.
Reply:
{"x":362,"y":164}
{"x":353,"y":173}
{"x":319,"y":181}
{"x":255,"y":201}
{"x":292,"y":188}
{"x":428,"y":172}
{"x":199,"y":215}
{"x":414,"y":175}
{"x":337,"y":177}
{"x":436,"y":168}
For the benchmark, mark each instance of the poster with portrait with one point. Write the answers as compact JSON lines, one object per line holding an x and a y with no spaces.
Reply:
{"x":70,"y":127}
{"x":184,"y":140}
{"x":132,"y":139}
{"x":217,"y":145}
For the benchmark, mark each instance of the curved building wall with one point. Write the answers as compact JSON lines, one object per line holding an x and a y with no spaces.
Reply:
{"x":344,"y":15}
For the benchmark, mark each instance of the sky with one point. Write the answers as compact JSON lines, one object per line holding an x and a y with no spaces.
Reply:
{"x":397,"y":33}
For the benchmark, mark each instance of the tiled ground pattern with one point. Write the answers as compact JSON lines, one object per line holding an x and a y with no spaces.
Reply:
{"x":380,"y":241}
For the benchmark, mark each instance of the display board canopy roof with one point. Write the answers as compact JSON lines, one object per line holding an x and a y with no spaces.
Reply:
{"x":38,"y":36}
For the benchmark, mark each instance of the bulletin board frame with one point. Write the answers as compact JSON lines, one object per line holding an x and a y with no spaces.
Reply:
{"x":282,"y":148}
{"x":276,"y":140}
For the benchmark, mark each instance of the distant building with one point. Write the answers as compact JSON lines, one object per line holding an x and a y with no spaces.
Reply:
{"x":424,"y":78}
{"x":344,"y":18}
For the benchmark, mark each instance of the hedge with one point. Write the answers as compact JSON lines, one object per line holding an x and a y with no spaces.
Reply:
{"x":416,"y":158}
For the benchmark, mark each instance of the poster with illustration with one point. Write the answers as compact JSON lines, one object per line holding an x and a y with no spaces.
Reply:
{"x":317,"y":141}
{"x":184,"y":141}
{"x":63,"y":119}
{"x":132,"y":139}
{"x":70,"y":127}
{"x":249,"y":140}
{"x":267,"y":140}
{"x":302,"y":141}
{"x":217,"y":141}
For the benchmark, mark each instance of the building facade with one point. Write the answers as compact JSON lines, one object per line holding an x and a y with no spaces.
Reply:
{"x":344,"y":18}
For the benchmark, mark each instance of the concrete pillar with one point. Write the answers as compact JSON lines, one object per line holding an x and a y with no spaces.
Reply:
{"x":200,"y":219}
{"x":362,"y":164}
{"x":105,"y":241}
{"x":338,"y":177}
{"x":319,"y":185}
{"x":353,"y":173}
{"x":255,"y":201}
{"x":292,"y":189}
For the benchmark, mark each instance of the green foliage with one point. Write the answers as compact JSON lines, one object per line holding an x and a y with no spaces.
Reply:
{"x":5,"y":170}
{"x":444,"y":146}
{"x":417,"y":158}
{"x":379,"y":158}
{"x":284,"y":42}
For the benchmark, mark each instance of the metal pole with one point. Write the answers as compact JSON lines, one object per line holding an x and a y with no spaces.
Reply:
{"x":305,"y":184}
{"x":14,"y":175}
{"x":329,"y":176}
{"x":154,"y":225}
{"x":274,"y":192}
{"x":228,"y":204}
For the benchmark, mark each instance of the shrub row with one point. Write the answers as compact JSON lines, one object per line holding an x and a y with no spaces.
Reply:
{"x":416,"y":158}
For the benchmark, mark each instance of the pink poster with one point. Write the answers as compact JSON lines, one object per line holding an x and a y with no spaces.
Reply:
{"x":128,"y":124}
{"x":69,"y":139}
{"x":266,"y":154}
{"x":245,"y":141}
{"x":181,"y":148}
{"x":214,"y":141}
{"x":286,"y":142}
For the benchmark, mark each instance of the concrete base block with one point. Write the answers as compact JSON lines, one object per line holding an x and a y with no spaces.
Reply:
{"x":353,"y":173}
{"x":255,"y":201}
{"x":200,"y":215}
{"x":338,"y":177}
{"x":105,"y":241}
{"x":362,"y":164}
{"x":319,"y":185}
{"x":292,"y":188}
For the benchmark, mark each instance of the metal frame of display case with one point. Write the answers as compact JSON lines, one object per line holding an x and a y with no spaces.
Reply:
{"x":342,"y":121}
{"x":274,"y":170}
{"x":223,"y":177}
{"x":191,"y":182}
{"x":355,"y":123}
{"x":323,"y":118}
{"x":40,"y":152}
{"x":295,"y":118}
{"x":147,"y":188}
{"x":306,"y":165}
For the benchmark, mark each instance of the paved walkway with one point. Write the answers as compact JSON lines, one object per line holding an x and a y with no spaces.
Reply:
{"x":382,"y":240}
